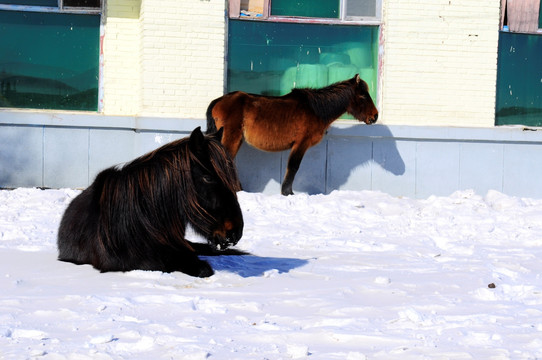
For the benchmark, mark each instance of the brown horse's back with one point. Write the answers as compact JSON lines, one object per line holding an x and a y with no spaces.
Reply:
{"x":258,"y":119}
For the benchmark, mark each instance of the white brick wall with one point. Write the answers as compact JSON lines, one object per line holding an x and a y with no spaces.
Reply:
{"x":163,"y":58}
{"x":182,"y":56}
{"x":121,"y":47}
{"x":440,"y":62}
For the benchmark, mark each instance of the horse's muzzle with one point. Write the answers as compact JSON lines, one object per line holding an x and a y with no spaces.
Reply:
{"x":372,"y":120}
{"x":222,"y":240}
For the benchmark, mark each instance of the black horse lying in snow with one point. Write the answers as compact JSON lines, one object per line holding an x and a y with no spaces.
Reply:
{"x":134,"y":217}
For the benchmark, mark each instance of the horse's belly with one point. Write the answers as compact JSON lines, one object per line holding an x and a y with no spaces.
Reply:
{"x":267,"y":142}
{"x":272,"y":126}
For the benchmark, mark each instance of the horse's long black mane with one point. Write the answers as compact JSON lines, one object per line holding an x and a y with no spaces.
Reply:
{"x":158,"y":179}
{"x":327,"y":103}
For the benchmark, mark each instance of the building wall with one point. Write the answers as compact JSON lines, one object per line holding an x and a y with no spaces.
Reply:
{"x":68,"y":150}
{"x":182,"y":56}
{"x":163,"y":58}
{"x":440,"y":62}
{"x":121,"y":58}
{"x":164,"y":62}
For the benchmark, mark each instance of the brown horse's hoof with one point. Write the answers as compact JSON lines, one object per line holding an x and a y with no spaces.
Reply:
{"x":287,"y":192}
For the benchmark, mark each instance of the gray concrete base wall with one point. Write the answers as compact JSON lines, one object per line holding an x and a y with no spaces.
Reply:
{"x":68,"y":150}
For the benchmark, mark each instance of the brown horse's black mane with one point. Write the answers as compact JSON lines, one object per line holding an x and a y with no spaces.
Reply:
{"x":327,"y":103}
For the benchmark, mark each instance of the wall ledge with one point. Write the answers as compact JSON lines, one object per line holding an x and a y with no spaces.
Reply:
{"x":340,"y":128}
{"x":95,"y":120}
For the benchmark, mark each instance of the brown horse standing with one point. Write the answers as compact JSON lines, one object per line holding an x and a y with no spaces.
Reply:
{"x":295,"y":121}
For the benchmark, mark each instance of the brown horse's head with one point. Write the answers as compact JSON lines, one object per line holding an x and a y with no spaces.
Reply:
{"x":362,"y":106}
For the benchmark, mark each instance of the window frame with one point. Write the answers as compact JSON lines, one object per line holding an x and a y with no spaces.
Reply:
{"x":234,"y":11}
{"x":60,"y":8}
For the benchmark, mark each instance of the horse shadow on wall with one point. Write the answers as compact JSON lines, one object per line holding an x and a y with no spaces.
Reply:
{"x":350,"y":157}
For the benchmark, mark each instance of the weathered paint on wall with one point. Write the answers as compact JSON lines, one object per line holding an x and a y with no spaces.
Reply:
{"x":440,"y":62}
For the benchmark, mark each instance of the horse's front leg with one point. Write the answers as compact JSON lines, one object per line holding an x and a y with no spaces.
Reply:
{"x":294,"y":160}
{"x":192,"y":265}
{"x":184,"y":260}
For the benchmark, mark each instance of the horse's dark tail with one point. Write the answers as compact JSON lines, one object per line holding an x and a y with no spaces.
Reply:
{"x":211,"y":126}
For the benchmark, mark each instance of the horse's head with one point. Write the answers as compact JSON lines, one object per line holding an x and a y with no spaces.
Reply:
{"x":362,"y":106}
{"x":216,"y":212}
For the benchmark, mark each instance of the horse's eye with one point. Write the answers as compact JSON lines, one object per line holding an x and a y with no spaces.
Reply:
{"x":207,"y":179}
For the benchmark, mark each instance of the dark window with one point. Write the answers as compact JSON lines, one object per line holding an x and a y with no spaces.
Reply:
{"x":48,"y":3}
{"x":337,"y":10}
{"x":301,"y":43}
{"x":49,"y":60}
{"x":271,"y":58}
{"x":362,"y":8}
{"x":313,"y":8}
{"x":82,"y":3}
{"x":519,"y":79}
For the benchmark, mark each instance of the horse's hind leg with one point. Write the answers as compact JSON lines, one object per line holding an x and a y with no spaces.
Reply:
{"x":294,"y":160}
{"x":232,"y":140}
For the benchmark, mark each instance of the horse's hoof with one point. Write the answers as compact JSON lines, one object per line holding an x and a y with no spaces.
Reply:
{"x":200,"y":269}
{"x":205,"y":271}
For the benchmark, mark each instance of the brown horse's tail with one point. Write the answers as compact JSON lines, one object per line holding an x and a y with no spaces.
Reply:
{"x":211,"y":126}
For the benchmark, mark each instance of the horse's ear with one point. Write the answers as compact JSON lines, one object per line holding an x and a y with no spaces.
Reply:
{"x":218,"y":135}
{"x":358,"y":79}
{"x":195,"y":143}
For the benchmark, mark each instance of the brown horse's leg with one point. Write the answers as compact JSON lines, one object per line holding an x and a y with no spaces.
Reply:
{"x":294,"y":160}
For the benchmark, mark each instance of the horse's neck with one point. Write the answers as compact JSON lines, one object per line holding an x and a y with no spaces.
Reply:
{"x":330,"y":104}
{"x":335,"y":113}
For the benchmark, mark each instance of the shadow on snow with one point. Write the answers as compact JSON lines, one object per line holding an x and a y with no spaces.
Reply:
{"x":251,"y":265}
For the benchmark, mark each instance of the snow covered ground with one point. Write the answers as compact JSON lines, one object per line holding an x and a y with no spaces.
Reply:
{"x":350,"y":275}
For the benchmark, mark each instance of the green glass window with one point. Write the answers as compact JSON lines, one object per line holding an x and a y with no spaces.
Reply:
{"x":313,"y":8}
{"x":272,"y":58}
{"x":49,"y":3}
{"x":360,"y":8}
{"x":540,"y":16}
{"x":49,"y":60}
{"x":519,"y":84}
